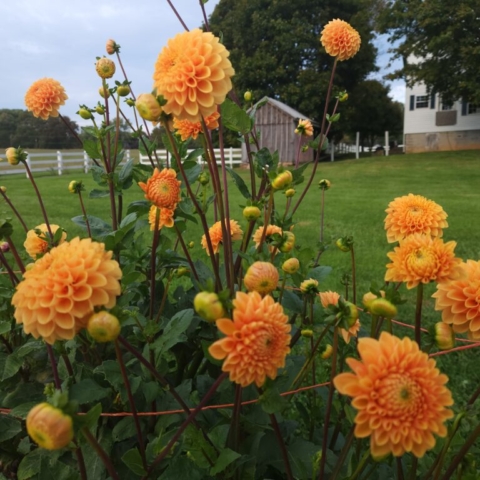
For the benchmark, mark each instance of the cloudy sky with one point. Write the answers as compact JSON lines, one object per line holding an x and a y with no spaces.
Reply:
{"x":62,"y":38}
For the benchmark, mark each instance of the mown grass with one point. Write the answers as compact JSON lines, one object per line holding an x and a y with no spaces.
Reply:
{"x":355,"y":205}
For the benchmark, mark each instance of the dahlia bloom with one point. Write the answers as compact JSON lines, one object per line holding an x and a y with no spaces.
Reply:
{"x":271,"y":230}
{"x":400,"y":396}
{"x":162,"y":188}
{"x":187,"y":129}
{"x":420,"y":258}
{"x":304,"y":128}
{"x":45,"y":97}
{"x":340,"y":40}
{"x":459,"y":300}
{"x":257,"y":339}
{"x":165,"y":219}
{"x":60,"y":292}
{"x":193,"y":74}
{"x":261,"y":277}
{"x":309,"y":286}
{"x":35,"y":245}
{"x":291,"y":265}
{"x":414,"y":214}
{"x":329,"y":298}
{"x":216,"y":235}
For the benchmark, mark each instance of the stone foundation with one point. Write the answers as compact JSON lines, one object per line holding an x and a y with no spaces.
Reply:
{"x":442,"y":141}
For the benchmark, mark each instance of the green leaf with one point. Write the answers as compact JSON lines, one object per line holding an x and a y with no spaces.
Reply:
{"x":292,"y":302}
{"x":98,"y":227}
{"x":88,"y":391}
{"x":225,"y":458}
{"x":234,"y":118}
{"x":9,"y":427}
{"x":124,"y":429}
{"x":319,"y":273}
{"x":91,"y":147}
{"x":90,"y":419}
{"x":6,"y":229}
{"x":12,"y":366}
{"x":239,"y":182}
{"x":174,"y":331}
{"x":5,"y":327}
{"x":133,"y":461}
{"x":271,"y":401}
{"x":96,"y":193}
{"x":22,"y":409}
{"x":126,"y":172}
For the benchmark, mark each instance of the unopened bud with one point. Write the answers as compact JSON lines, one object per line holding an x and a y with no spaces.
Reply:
{"x":100,"y":109}
{"x":288,"y":242}
{"x":251,"y":213}
{"x":324,"y":184}
{"x":190,"y":244}
{"x":291,"y":265}
{"x":282,"y":180}
{"x":383,"y":308}
{"x":103,"y":327}
{"x":112,"y":47}
{"x":261,"y":277}
{"x":85,"y":113}
{"x":130,"y":102}
{"x":208,"y":306}
{"x":123,"y":90}
{"x":4,"y":247}
{"x":204,"y":179}
{"x":105,"y":67}
{"x":13,"y":155}
{"x":327,"y":352}
{"x":444,"y":336}
{"x":148,"y":107}
{"x":289,"y":193}
{"x":307,"y":333}
{"x":102,"y":91}
{"x":344,"y":244}
{"x":309,"y":286}
{"x":247,"y":96}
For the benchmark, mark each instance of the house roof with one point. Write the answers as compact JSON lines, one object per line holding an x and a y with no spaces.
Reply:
{"x":288,"y":110}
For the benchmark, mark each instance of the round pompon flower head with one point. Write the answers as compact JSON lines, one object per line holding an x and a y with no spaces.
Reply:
{"x":414,"y":214}
{"x":60,"y":292}
{"x":162,"y":188}
{"x":340,"y":40}
{"x":45,"y":97}
{"x":256,"y":341}
{"x":459,"y":300}
{"x":49,"y":427}
{"x":193,"y":74}
{"x":187,"y":129}
{"x":421,"y":258}
{"x":105,"y":67}
{"x":261,"y":277}
{"x":304,"y":128}
{"x":400,"y":396}
{"x":36,"y":243}
{"x":216,"y":235}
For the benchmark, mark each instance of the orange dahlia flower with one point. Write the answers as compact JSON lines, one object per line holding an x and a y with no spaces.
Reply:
{"x":261,"y":277}
{"x":193,"y":74}
{"x":216,"y":235}
{"x":271,"y":230}
{"x":187,"y":129}
{"x":400,"y":396}
{"x":35,"y":244}
{"x":304,"y":128}
{"x":45,"y":97}
{"x":59,"y":293}
{"x":340,"y":40}
{"x":256,"y":342}
{"x":162,"y":188}
{"x":414,"y":214}
{"x":459,"y":300}
{"x":165,"y":219}
{"x":421,"y":258}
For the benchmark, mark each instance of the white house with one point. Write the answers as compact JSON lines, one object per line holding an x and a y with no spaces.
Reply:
{"x":432,"y":125}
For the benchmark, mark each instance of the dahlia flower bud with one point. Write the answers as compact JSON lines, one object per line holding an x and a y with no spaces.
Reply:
{"x":204,"y":179}
{"x":289,"y":193}
{"x":261,"y":277}
{"x":112,"y":47}
{"x":309,"y":286}
{"x":105,"y":67}
{"x":4,"y":247}
{"x":130,"y":102}
{"x":327,"y":352}
{"x":291,"y":265}
{"x":190,"y":244}
{"x":208,"y":306}
{"x":148,"y":107}
{"x":368,"y":298}
{"x":103,"y":327}
{"x":282,"y":180}
{"x":3,"y":189}
{"x":123,"y":90}
{"x":85,"y":113}
{"x":75,"y":187}
{"x":383,"y":308}
{"x":49,"y":427}
{"x":102,"y":91}
{"x":182,"y":272}
{"x":251,"y":213}
{"x":100,"y":109}
{"x":342,"y":96}
{"x":247,"y":96}
{"x":304,"y":128}
{"x":444,"y":336}
{"x":344,"y":244}
{"x":13,"y":155}
{"x":324,"y":184}
{"x":307,"y":333}
{"x":352,"y":314}
{"x":288,"y":242}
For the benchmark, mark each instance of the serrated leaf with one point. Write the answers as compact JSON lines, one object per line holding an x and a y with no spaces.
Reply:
{"x":124,"y":429}
{"x":9,"y":427}
{"x":88,"y":391}
{"x":226,"y":457}
{"x":91,"y":147}
{"x":174,"y":331}
{"x":133,"y":461}
{"x":292,"y":302}
{"x":5,"y":327}
{"x":240,"y":183}
{"x":234,"y":118}
{"x":12,"y":365}
{"x":271,"y":401}
{"x":319,"y":273}
{"x":126,"y":172}
{"x":98,"y":227}
{"x":96,"y":193}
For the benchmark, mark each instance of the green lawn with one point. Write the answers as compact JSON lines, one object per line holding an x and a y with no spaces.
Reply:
{"x":355,"y":205}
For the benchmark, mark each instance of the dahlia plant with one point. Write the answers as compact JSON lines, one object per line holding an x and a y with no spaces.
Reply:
{"x":130,"y":358}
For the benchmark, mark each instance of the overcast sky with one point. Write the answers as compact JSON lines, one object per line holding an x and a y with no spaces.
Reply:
{"x":62,"y":38}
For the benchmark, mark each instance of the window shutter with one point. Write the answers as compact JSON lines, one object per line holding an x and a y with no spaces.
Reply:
{"x":412,"y":102}
{"x":464,"y":107}
{"x":432,"y":100}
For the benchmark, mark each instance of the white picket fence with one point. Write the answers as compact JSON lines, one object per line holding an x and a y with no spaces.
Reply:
{"x":233,"y":156}
{"x":54,"y":162}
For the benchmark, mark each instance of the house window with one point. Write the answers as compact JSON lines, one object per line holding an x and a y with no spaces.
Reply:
{"x":447,"y":106}
{"x":472,"y":108}
{"x":421,"y":101}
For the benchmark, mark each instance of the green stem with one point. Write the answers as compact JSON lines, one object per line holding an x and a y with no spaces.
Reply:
{"x":100,"y":452}
{"x":153,"y":261}
{"x":343,"y":454}
{"x":51,"y":356}
{"x":413,"y":469}
{"x":418,"y":315}
{"x":354,"y":280}
{"x":282,"y":288}
{"x":361,"y":466}
{"x":81,"y":462}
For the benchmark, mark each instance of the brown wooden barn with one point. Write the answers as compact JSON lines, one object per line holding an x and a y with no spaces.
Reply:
{"x":276,"y":122}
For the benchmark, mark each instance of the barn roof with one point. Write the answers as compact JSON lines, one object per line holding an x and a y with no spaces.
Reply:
{"x":287,"y":109}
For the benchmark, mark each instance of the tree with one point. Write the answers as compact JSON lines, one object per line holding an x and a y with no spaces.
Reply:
{"x":371,"y":112}
{"x":444,"y":37}
{"x":275,"y":48}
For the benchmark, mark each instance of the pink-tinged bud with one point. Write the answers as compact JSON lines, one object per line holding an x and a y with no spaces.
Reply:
{"x":4,"y":247}
{"x":309,"y":286}
{"x":251,"y":213}
{"x":103,"y":327}
{"x":261,"y":277}
{"x":382,"y":308}
{"x":289,"y":193}
{"x":49,"y":427}
{"x":105,"y":67}
{"x":288,"y":242}
{"x":112,"y":47}
{"x":444,"y":336}
{"x":282,"y":180}
{"x":148,"y":107}
{"x":123,"y":90}
{"x":291,"y":265}
{"x":208,"y":306}
{"x":327,"y":352}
